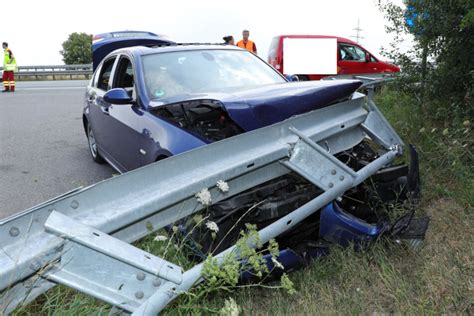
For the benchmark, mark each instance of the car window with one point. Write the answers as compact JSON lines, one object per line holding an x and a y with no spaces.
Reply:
{"x":217,"y":70}
{"x":124,"y":75}
{"x":351,"y":52}
{"x":103,"y":81}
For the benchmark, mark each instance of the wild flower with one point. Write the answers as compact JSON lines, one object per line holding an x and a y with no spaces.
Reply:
{"x":160,"y":238}
{"x":197,"y":218}
{"x":212,"y":226}
{"x":223,"y":186}
{"x":204,"y":197}
{"x":422,"y":130}
{"x":231,"y":308}
{"x":445,"y":132}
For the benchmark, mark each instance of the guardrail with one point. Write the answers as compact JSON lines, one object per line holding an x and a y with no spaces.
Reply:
{"x":55,"y":72}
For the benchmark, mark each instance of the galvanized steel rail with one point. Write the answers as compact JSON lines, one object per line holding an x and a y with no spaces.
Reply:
{"x":81,"y":239}
{"x":53,"y":71}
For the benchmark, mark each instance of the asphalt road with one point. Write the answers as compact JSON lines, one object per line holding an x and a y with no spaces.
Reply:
{"x":43,"y":148}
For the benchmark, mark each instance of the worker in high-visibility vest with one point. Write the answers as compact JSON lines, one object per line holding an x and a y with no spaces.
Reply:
{"x":246,"y":43}
{"x":9,"y":68}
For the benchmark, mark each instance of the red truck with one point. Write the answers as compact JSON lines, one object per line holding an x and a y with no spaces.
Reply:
{"x":313,"y":57}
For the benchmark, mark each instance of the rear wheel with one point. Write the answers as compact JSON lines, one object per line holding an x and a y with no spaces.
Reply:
{"x":93,"y":146}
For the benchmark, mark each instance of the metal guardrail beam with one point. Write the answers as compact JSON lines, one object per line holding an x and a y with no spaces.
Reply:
{"x":81,"y":239}
{"x":53,"y":71}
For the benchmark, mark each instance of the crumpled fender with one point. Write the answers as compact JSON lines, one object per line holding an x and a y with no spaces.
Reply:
{"x":342,"y":228}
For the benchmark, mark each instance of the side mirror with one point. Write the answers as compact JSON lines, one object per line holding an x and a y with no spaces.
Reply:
{"x":117,"y":96}
{"x":292,"y":78}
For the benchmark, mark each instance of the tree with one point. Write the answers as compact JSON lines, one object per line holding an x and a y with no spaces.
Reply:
{"x":441,"y":61}
{"x":77,"y":49}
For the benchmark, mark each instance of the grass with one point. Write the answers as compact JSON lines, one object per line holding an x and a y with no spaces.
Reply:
{"x":387,"y":278}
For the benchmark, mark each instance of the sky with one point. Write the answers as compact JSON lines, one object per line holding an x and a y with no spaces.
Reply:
{"x":35,"y":35}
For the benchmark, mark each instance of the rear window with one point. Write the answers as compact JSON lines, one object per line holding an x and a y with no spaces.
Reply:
{"x":272,"y":52}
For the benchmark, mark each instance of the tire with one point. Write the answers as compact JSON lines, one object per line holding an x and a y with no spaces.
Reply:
{"x":93,"y":146}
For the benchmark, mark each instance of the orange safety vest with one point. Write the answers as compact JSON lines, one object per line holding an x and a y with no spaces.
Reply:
{"x":249,"y":46}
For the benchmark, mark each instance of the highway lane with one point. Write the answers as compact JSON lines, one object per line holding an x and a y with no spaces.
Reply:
{"x":43,"y":148}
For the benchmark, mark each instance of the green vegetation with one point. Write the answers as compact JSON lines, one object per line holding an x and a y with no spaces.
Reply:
{"x":77,"y":49}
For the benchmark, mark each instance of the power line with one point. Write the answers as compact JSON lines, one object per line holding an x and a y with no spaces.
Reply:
{"x":358,"y":31}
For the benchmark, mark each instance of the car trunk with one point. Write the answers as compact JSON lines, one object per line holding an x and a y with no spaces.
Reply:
{"x":102,"y":48}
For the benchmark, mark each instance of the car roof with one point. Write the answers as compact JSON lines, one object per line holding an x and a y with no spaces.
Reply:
{"x":175,"y":47}
{"x":339,"y":39}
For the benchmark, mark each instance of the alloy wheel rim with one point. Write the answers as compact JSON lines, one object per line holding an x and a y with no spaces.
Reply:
{"x":92,"y":143}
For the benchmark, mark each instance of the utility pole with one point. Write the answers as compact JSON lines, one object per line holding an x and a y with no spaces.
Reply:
{"x":358,"y":30}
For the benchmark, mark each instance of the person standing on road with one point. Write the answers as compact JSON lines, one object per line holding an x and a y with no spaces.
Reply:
{"x":229,"y":40}
{"x":246,"y":43}
{"x":9,"y":68}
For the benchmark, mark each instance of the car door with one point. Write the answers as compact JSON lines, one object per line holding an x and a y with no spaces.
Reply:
{"x":352,"y":60}
{"x":125,"y":130}
{"x":99,"y":116}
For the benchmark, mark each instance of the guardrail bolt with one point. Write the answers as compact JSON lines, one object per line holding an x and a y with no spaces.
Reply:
{"x":139,"y":295}
{"x":341,"y":178}
{"x":14,"y":231}
{"x":333,"y":171}
{"x":74,"y":204}
{"x":140,"y":276}
{"x":156,"y":282}
{"x":330,"y":184}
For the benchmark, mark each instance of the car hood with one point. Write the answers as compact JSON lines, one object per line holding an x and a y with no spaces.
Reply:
{"x":269,"y":104}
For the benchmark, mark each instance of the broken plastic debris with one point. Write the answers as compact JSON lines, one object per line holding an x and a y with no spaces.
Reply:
{"x":277,"y":263}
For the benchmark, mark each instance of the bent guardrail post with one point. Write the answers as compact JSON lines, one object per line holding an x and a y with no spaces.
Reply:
{"x":81,"y":239}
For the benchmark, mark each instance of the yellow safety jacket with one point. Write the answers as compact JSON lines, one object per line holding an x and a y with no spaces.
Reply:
{"x":9,"y":61}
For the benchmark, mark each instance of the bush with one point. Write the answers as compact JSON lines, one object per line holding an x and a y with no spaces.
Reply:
{"x":439,"y":67}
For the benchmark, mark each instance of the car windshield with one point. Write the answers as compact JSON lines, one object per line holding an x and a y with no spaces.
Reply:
{"x":175,"y":73}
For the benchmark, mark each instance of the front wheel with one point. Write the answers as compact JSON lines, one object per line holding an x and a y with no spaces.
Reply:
{"x":93,"y":146}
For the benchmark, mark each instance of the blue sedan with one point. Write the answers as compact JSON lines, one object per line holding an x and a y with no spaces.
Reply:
{"x":146,"y":103}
